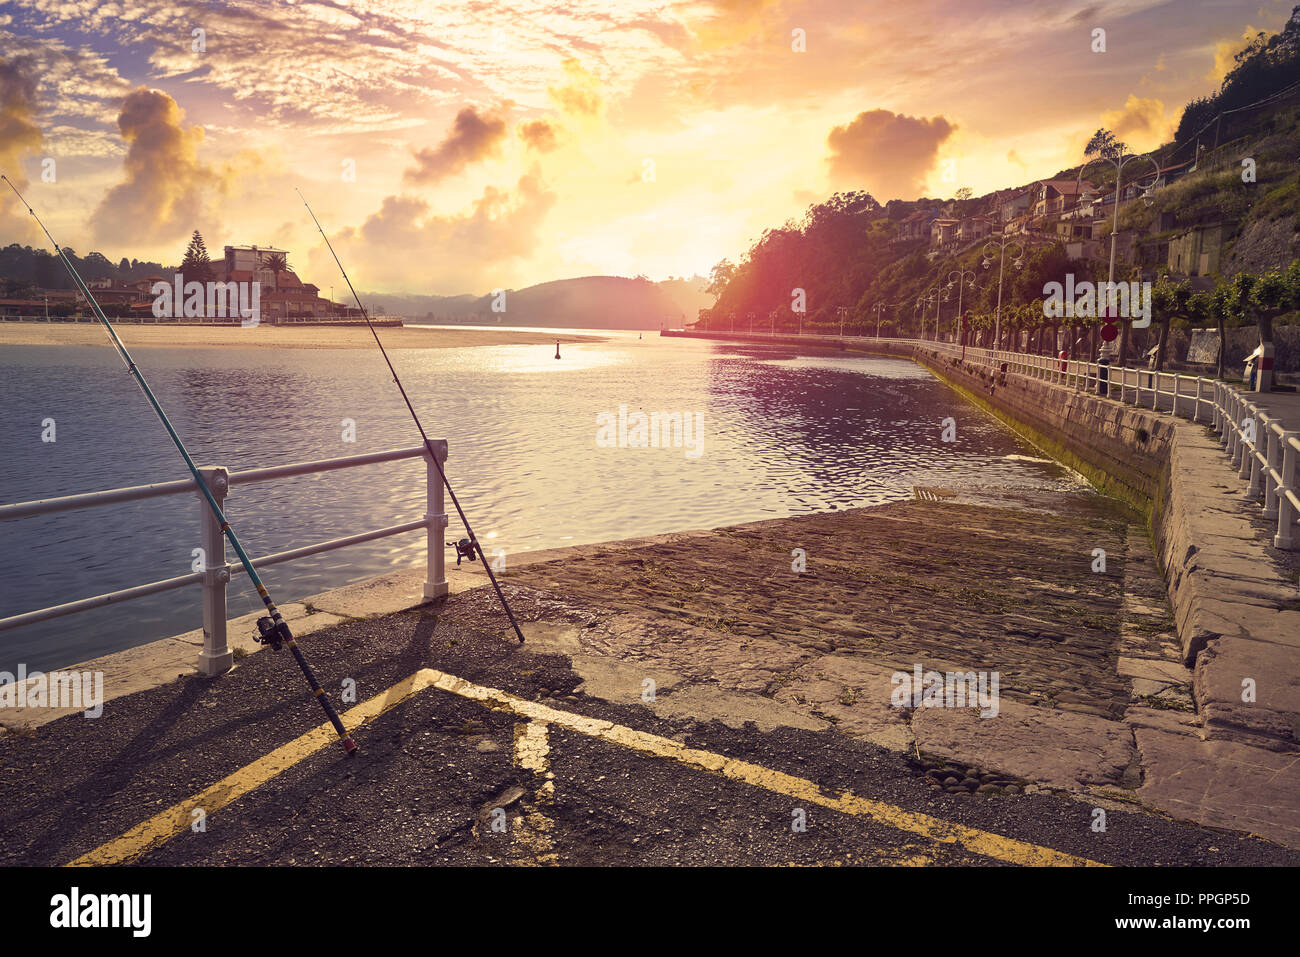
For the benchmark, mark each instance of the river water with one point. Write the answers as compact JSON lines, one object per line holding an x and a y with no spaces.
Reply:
{"x":780,"y":434}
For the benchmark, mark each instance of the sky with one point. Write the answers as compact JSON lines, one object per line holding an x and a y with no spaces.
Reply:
{"x":453,"y":148}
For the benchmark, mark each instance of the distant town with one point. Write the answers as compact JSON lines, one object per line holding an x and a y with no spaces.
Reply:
{"x":284,"y":296}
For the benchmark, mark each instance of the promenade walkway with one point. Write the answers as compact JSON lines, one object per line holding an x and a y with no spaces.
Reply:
{"x":684,"y":699}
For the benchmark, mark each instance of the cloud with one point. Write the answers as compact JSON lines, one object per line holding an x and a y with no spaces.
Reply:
{"x":402,"y":244}
{"x":1142,"y":122}
{"x":540,"y":135}
{"x":580,"y":96}
{"x":166,"y":190}
{"x":1086,"y":15}
{"x":1225,"y":53}
{"x":473,"y":137}
{"x":732,"y":22}
{"x":19,"y":135}
{"x":886,"y":153}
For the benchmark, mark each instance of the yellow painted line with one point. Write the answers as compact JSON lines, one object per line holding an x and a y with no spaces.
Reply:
{"x":167,"y":824}
{"x":171,"y":822}
{"x":944,"y":832}
{"x":533,"y":829}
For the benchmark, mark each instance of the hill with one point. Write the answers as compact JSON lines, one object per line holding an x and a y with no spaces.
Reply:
{"x":590,"y":302}
{"x":1226,"y":203}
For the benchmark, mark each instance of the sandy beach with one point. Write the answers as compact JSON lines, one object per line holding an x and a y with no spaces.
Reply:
{"x":268,"y":337}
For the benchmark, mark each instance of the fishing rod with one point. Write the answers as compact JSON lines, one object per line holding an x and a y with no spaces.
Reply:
{"x":274,"y":631}
{"x":472,"y":549}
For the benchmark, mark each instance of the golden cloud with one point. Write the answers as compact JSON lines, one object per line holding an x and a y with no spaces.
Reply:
{"x":1142,"y":122}
{"x":473,"y":137}
{"x":1225,"y":53}
{"x":470,"y":250}
{"x":166,"y":191}
{"x":580,"y":95}
{"x":19,"y":135}
{"x":541,"y":135}
{"x":732,"y":22}
{"x":888,"y":154}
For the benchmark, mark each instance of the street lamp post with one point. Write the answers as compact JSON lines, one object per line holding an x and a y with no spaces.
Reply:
{"x":999,"y":246}
{"x":960,"y":277}
{"x":843,"y":312}
{"x":1119,"y":159}
{"x":931,"y":295}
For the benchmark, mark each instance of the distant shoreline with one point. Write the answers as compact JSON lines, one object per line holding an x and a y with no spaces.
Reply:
{"x":271,"y":337}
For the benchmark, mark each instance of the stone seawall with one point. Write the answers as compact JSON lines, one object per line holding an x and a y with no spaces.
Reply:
{"x":1238,"y":614}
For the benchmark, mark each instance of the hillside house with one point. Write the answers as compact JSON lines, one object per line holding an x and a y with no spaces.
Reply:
{"x":943,"y":231}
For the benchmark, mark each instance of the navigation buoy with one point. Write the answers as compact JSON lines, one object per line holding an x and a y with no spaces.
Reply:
{"x":557,"y":350}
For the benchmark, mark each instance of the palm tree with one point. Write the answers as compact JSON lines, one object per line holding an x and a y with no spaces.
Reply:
{"x":276,"y":262}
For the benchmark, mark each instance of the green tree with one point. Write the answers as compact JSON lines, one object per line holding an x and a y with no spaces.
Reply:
{"x":1273,"y":293}
{"x":196,"y":266}
{"x":1104,"y":145}
{"x":1170,"y":302}
{"x":719,"y":277}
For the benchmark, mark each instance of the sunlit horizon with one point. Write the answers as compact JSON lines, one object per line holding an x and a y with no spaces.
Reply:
{"x":454,"y":156}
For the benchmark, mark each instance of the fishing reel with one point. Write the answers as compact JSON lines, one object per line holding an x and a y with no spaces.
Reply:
{"x":271,"y":633}
{"x":464,"y":549}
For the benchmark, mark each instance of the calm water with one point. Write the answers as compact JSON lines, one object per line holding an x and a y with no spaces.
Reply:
{"x":783,"y":434}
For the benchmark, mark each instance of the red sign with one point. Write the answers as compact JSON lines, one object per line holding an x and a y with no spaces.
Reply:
{"x":1109,"y":332}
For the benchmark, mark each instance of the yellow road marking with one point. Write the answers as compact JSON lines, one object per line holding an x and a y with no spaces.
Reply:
{"x":165,"y":825}
{"x":533,"y":828}
{"x":943,"y":832}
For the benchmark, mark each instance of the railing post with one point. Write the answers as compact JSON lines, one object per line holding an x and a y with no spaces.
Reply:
{"x":435,"y":578}
{"x":1225,"y":414}
{"x":1273,"y":463}
{"x":1245,"y":450}
{"x":1228,"y":411}
{"x":1262,"y":423}
{"x":1286,"y":513}
{"x":216,"y":658}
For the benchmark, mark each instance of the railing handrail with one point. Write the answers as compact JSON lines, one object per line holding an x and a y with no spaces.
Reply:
{"x":216,"y":656}
{"x":1268,"y":456}
{"x":64,"y":503}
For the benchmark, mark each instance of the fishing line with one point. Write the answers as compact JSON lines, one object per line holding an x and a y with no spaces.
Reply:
{"x":473,"y":549}
{"x":274,"y":630}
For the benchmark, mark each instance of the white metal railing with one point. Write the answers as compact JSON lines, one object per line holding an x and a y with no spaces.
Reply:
{"x":216,"y":656}
{"x":151,"y":320}
{"x":1257,"y":444}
